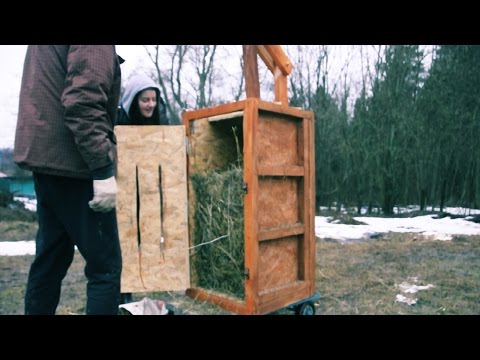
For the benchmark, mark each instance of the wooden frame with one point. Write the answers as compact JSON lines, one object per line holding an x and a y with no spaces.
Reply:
{"x":277,"y":62}
{"x":279,"y":225}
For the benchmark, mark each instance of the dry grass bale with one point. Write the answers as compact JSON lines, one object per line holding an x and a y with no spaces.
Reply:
{"x":219,"y":196}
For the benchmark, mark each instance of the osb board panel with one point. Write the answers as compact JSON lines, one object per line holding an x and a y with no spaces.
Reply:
{"x":278,"y":263}
{"x":212,"y":144}
{"x":277,"y":140}
{"x":277,"y":202}
{"x":147,"y":148}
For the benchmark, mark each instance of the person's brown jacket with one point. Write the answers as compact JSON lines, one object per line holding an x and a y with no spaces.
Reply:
{"x":68,"y":102}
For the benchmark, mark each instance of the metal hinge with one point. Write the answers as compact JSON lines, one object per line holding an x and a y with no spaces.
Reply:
{"x":246,"y":273}
{"x":187,"y":145}
{"x":245,"y":188}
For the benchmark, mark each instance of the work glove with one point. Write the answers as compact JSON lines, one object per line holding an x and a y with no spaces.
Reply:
{"x":104,"y":195}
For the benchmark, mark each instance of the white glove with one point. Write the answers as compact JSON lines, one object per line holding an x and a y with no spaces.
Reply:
{"x":104,"y":195}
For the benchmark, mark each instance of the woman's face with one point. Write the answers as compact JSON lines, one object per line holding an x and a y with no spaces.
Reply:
{"x":147,"y":100}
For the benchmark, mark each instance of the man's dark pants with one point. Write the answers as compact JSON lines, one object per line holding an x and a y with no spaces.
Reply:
{"x":65,"y":221}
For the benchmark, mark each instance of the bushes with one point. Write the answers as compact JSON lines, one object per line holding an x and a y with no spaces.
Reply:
{"x":6,"y":198}
{"x":12,"y":210}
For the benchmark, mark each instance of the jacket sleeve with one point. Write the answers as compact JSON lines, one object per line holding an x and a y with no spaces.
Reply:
{"x":88,"y":85}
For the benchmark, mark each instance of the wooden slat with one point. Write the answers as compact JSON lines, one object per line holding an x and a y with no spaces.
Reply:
{"x":280,"y":109}
{"x":212,"y":111}
{"x":310,"y":199}
{"x":281,"y":87}
{"x":224,"y":302}
{"x":250,"y":69}
{"x":280,"y":59}
{"x":250,"y":128}
{"x":272,"y":170}
{"x":303,"y":213}
{"x":270,"y":234}
{"x":220,"y":117}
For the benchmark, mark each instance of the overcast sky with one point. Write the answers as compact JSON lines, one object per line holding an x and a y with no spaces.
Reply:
{"x":11,"y":66}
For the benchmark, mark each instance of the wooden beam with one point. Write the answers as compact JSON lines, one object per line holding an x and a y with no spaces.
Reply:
{"x":220,"y":117}
{"x":266,"y":57}
{"x":221,"y":300}
{"x":280,"y":109}
{"x":250,"y":207}
{"x":273,"y":234}
{"x":250,"y":69}
{"x":281,"y":87}
{"x":310,"y":201}
{"x":280,"y":59}
{"x":212,"y":111}
{"x":280,"y":170}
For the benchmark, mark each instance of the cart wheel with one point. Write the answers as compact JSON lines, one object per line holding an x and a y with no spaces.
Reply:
{"x":307,"y":308}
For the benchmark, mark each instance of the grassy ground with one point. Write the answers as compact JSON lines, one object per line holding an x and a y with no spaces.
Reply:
{"x":13,"y":278}
{"x":364,"y":278}
{"x":361,"y":278}
{"x":18,"y":230}
{"x":17,"y":224}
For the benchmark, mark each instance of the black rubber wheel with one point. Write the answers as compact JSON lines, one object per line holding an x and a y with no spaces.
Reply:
{"x":307,"y":308}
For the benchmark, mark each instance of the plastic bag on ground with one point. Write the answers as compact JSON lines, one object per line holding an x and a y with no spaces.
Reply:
{"x":146,"y":306}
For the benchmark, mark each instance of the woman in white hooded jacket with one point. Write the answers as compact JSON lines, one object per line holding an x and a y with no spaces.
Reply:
{"x":142,"y":104}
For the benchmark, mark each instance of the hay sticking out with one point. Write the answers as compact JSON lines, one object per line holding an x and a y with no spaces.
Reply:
{"x":219,"y":212}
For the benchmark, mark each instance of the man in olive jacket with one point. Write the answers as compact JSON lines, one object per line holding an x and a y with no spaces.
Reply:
{"x":64,"y":134}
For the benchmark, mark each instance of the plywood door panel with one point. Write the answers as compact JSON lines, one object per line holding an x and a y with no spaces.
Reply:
{"x":151,"y":152}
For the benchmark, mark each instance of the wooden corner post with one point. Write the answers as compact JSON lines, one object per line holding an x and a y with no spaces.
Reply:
{"x":276,"y":61}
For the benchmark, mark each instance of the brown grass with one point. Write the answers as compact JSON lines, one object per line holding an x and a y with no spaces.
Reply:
{"x":363,"y":278}
{"x":14,"y":274}
{"x":359,"y":278}
{"x":17,"y":230}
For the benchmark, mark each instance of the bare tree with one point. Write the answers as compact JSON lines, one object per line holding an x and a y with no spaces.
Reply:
{"x":203,"y":61}
{"x":170,"y":79}
{"x":192,"y":76}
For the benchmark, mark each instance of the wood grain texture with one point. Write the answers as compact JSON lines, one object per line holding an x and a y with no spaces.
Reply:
{"x":250,"y":70}
{"x":281,"y":87}
{"x":280,"y":59}
{"x":278,"y":265}
{"x":145,"y":148}
{"x":277,"y":140}
{"x":277,"y":202}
